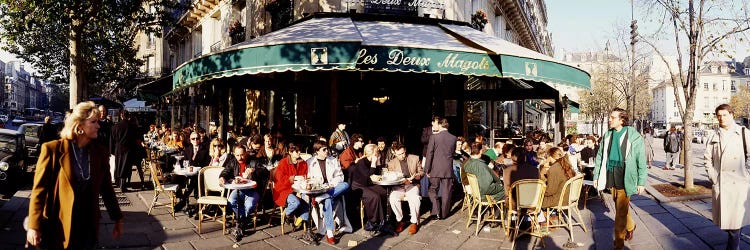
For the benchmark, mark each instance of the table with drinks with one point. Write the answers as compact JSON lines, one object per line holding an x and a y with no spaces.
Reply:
{"x":310,"y":188}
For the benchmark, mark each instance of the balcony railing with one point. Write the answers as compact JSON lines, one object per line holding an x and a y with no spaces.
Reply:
{"x":198,"y":54}
{"x":216,"y":47}
{"x":157,"y":72}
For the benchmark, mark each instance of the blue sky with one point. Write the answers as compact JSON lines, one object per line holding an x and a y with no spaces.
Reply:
{"x":586,"y":25}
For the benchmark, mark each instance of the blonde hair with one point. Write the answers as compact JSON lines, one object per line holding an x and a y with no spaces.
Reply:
{"x":81,"y":113}
{"x":370,"y":149}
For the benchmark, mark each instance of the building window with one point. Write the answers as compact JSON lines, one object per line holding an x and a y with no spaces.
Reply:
{"x":676,"y":114}
{"x":747,"y":70}
{"x":715,"y":87}
{"x":705,"y":102}
{"x":734,"y":88}
{"x":705,"y":86}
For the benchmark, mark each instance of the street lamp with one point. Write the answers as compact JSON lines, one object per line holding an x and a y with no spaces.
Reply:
{"x":565,"y":101}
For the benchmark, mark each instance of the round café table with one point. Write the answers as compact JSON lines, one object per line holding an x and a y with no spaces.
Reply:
{"x":388,"y":185}
{"x":308,"y":237}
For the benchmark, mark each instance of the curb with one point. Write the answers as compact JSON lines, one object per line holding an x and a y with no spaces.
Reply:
{"x":663,"y":199}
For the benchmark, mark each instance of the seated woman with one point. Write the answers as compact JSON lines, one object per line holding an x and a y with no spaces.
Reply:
{"x":521,"y":169}
{"x":217,"y":152}
{"x":559,"y":172}
{"x":327,"y":170}
{"x":372,"y":195}
{"x":289,"y":167}
{"x":489,"y":182}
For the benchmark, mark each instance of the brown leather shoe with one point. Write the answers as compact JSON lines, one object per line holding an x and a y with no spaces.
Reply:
{"x":413,"y":228}
{"x":400,"y":227}
{"x":629,"y":234}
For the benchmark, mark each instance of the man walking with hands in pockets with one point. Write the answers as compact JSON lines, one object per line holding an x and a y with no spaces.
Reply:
{"x":621,"y":166}
{"x":726,"y":163}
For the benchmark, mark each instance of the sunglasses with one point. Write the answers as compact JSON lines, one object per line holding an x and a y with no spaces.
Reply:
{"x":194,"y":139}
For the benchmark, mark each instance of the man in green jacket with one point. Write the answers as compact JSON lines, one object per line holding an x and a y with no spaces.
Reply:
{"x":489,"y":182}
{"x":621,"y":166}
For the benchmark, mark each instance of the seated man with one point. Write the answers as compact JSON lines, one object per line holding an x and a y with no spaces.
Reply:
{"x":489,"y":182}
{"x":237,"y":169}
{"x":412,"y":170}
{"x":288,"y":168}
{"x":328,"y":171}
{"x":372,"y":195}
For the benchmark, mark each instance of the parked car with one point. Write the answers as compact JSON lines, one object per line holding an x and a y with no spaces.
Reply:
{"x":3,"y":118}
{"x":13,"y":172}
{"x":18,"y":121}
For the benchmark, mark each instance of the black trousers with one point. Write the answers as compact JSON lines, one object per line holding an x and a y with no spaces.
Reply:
{"x":734,"y":239}
{"x":372,"y":197}
{"x":444,"y":185}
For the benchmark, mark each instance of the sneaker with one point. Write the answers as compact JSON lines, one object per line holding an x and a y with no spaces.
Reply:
{"x":400,"y":226}
{"x":413,"y":228}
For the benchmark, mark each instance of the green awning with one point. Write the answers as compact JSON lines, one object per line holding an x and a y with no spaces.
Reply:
{"x":347,"y":45}
{"x":522,"y":63}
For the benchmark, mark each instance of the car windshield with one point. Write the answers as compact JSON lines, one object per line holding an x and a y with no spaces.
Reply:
{"x":7,"y":143}
{"x":30,"y":131}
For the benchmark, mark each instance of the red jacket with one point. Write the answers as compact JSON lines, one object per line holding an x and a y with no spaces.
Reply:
{"x":283,"y":186}
{"x":347,"y":157}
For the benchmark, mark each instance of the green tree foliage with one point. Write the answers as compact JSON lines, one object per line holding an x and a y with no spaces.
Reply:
{"x":87,"y":44}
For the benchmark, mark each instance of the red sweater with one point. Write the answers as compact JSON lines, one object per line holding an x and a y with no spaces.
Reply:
{"x":283,"y":186}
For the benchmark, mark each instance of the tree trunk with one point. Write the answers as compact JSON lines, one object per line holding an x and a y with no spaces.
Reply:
{"x":78,"y":86}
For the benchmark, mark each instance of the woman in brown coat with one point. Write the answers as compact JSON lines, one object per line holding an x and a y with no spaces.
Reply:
{"x":559,"y":172}
{"x":70,"y":175}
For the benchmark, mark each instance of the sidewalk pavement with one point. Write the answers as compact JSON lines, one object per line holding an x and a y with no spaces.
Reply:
{"x":676,"y":225}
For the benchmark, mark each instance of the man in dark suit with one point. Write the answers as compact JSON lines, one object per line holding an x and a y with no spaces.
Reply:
{"x":197,"y":155}
{"x":124,"y":139}
{"x":426,"y":134}
{"x":439,"y":168}
{"x":105,"y":130}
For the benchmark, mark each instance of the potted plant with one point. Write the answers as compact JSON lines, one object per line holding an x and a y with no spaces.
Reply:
{"x":237,"y":32}
{"x":479,"y":20}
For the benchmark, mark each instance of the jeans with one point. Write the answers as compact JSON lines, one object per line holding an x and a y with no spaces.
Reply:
{"x":293,"y":203}
{"x":334,"y":193}
{"x":249,"y":199}
{"x":672,"y":159}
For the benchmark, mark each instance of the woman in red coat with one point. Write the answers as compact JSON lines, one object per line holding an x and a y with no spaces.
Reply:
{"x":289,"y":167}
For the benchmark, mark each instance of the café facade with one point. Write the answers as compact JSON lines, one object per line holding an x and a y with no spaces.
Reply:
{"x":385,"y":75}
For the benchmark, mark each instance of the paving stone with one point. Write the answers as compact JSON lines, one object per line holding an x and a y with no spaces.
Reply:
{"x":210,"y":243}
{"x":643,"y":202}
{"x":426,"y":234}
{"x":655,"y":209}
{"x":406,"y":245}
{"x":605,"y":238}
{"x":446,"y":240}
{"x":476,"y":243}
{"x":184,"y":245}
{"x":177,"y":224}
{"x":285,"y":242}
{"x":681,"y":241}
{"x":682,"y":211}
{"x":711,"y":235}
{"x":696,"y":222}
{"x":176,"y":235}
{"x":604,"y":224}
